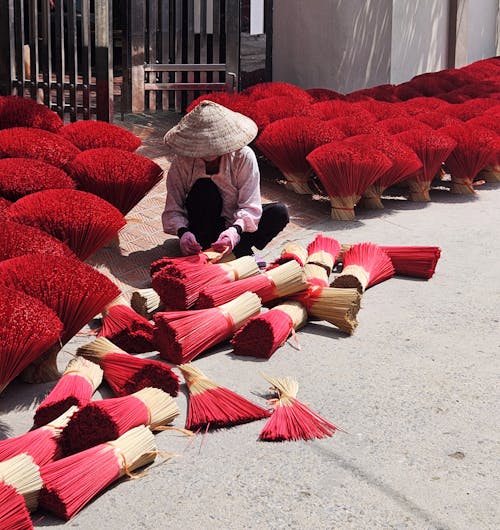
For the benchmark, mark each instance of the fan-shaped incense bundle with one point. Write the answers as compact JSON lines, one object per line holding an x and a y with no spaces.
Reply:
{"x":28,"y":328}
{"x":24,"y":142}
{"x":365,"y":265}
{"x":382,"y":110}
{"x":346,"y":173}
{"x":181,"y":336}
{"x":22,"y":176}
{"x":235,"y":101}
{"x":419,"y":262}
{"x":267,"y":110}
{"x":74,"y":290}
{"x":278,"y":282}
{"x":126,"y":328}
{"x":41,"y":444}
{"x":397,"y":125}
{"x":291,"y":419}
{"x":4,"y":204}
{"x":323,"y":251}
{"x":82,"y":220}
{"x":17,"y":239}
{"x":472,"y":108}
{"x":13,"y":511}
{"x":76,"y":386}
{"x":182,"y":293}
{"x":120,"y":177}
{"x":350,"y":127}
{"x":213,"y":406}
{"x":416,"y":106}
{"x":263,"y":334}
{"x":491,"y":171}
{"x":91,"y":134}
{"x":127,"y":374}
{"x":16,"y":111}
{"x":270,"y":89}
{"x":107,"y":419}
{"x":323,"y":94}
{"x":437,"y":119}
{"x":332,"y":109}
{"x":432,"y":147}
{"x":70,"y":483}
{"x":145,"y":302}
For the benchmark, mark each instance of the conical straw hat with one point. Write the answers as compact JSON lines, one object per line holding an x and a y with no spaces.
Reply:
{"x":210,"y":130}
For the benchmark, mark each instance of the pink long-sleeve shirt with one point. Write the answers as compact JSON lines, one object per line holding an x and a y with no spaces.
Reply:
{"x":238,"y":181}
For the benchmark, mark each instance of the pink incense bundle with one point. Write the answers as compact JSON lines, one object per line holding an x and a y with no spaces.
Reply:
{"x":212,"y":406}
{"x":418,"y":262}
{"x":91,"y":134}
{"x":180,"y":336}
{"x":23,"y":142}
{"x":120,"y":177}
{"x":291,"y":419}
{"x":323,"y":251}
{"x":346,"y":172}
{"x":291,"y":251}
{"x":263,"y":334}
{"x":75,"y":291}
{"x":22,"y":176}
{"x":13,"y":511}
{"x":82,"y":220}
{"x":75,"y":388}
{"x":16,"y":111}
{"x":475,"y":147}
{"x":42,"y":445}
{"x":126,"y":328}
{"x":107,"y":419}
{"x":202,"y":258}
{"x":126,"y":374}
{"x":275,"y":283}
{"x":432,"y":147}
{"x":28,"y":328}
{"x":365,"y":265}
{"x":404,"y":163}
{"x":72,"y":482}
{"x":182,"y":292}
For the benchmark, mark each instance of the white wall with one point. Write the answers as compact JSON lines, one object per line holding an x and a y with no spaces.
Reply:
{"x":419,"y":38}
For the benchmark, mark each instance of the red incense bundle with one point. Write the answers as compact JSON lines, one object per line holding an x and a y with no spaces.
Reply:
{"x":323,"y":94}
{"x":332,"y":109}
{"x":263,"y":334}
{"x":4,"y":204}
{"x":432,"y":147}
{"x":418,"y":262}
{"x":437,"y":119}
{"x":212,"y":406}
{"x":291,"y":251}
{"x":365,"y":265}
{"x":180,"y":336}
{"x":16,"y":111}
{"x":41,"y":444}
{"x":491,"y":171}
{"x":127,"y":374}
{"x":74,"y":290}
{"x":120,"y":177}
{"x":416,"y":106}
{"x":397,"y":125}
{"x":76,"y":386}
{"x":17,"y":239}
{"x":270,"y":89}
{"x":235,"y":101}
{"x":278,"y":282}
{"x":182,"y":293}
{"x":145,"y":302}
{"x":126,"y":328}
{"x":350,"y":127}
{"x":28,"y":328}
{"x":23,"y":142}
{"x":346,"y":172}
{"x":382,"y":110}
{"x":91,"y":134}
{"x":323,"y":251}
{"x":13,"y":511}
{"x":267,"y":110}
{"x":22,"y":176}
{"x":291,"y":419}
{"x":107,"y":419}
{"x":72,"y":482}
{"x":82,"y":220}
{"x":472,"y":108}
{"x":202,"y":258}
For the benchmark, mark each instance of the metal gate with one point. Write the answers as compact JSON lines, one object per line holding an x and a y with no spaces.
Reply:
{"x":180,"y":48}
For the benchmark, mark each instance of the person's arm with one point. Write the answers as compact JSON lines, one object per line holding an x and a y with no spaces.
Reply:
{"x":174,"y":216}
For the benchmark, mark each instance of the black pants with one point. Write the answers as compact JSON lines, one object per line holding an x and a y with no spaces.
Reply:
{"x":204,"y":207}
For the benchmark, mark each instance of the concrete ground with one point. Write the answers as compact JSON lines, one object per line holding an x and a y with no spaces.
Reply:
{"x":416,"y":387}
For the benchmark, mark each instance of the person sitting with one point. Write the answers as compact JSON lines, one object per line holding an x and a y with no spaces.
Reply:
{"x":213,"y":185}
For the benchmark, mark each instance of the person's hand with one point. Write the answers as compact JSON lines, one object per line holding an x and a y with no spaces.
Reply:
{"x":188,"y":244}
{"x":227,"y":240}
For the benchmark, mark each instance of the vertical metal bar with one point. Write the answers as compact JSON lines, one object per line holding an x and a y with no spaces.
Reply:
{"x":232,"y":44}
{"x":33,"y":40}
{"x":72,"y":57}
{"x":165,"y":49}
{"x":153,"y":27}
{"x":59,"y":55}
{"x":137,"y":27}
{"x":45,"y":53}
{"x":7,"y":59}
{"x":104,"y":59}
{"x":190,"y":45}
{"x":85,"y":66}
{"x":268,"y":30}
{"x":178,"y":51}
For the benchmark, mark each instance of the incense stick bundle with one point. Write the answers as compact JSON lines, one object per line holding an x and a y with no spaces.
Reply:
{"x":91,"y":134}
{"x":145,"y":302}
{"x":365,"y":264}
{"x":126,"y":328}
{"x":13,"y":511}
{"x":4,"y":204}
{"x":263,"y":334}
{"x":202,"y":258}
{"x":70,"y":483}
{"x":316,"y":275}
{"x":23,"y":475}
{"x":18,"y":111}
{"x":291,"y":419}
{"x":181,"y":336}
{"x":323,"y":251}
{"x":279,"y":282}
{"x":213,"y":406}
{"x":40,"y":444}
{"x":107,"y":419}
{"x":417,"y":261}
{"x":126,"y":373}
{"x":76,"y":386}
{"x":292,"y":251}
{"x":182,"y":293}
